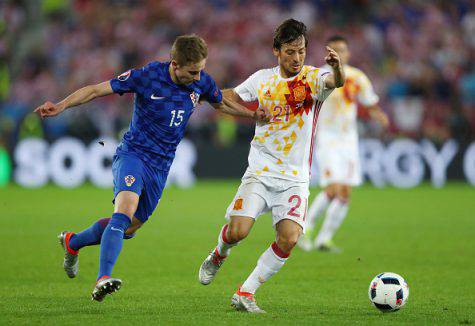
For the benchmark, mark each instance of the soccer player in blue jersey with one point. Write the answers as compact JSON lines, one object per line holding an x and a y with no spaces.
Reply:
{"x":166,"y":94}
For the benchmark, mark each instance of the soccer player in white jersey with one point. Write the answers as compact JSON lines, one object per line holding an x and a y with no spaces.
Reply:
{"x":277,"y":177}
{"x":337,"y":150}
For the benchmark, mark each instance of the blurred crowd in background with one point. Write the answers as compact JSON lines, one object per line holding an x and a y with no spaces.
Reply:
{"x":419,"y":55}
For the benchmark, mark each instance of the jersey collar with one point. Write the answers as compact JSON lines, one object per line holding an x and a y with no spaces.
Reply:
{"x":277,"y":69}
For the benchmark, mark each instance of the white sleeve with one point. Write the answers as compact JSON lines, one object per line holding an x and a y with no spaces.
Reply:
{"x":322,"y":90}
{"x":247,"y":91}
{"x":366,"y":95}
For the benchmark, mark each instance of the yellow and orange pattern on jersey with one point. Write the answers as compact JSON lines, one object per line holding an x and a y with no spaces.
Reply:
{"x":282,"y":148}
{"x":338,"y":117}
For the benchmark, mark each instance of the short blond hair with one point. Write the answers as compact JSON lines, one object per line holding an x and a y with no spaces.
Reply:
{"x":189,"y":49}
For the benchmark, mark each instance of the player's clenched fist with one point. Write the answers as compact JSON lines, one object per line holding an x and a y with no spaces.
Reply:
{"x":261,"y":116}
{"x":48,"y":109}
{"x":332,"y":58}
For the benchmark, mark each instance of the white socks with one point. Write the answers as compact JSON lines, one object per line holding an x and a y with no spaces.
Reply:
{"x":224,"y":248}
{"x":336,"y":213}
{"x":270,"y":262}
{"x":319,"y":205}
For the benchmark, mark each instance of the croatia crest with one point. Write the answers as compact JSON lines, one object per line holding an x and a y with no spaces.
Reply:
{"x":129,"y":180}
{"x":195,"y":97}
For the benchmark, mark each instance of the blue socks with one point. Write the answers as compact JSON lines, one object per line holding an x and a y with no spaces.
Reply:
{"x":94,"y":235}
{"x":111,"y":243}
{"x":90,"y":236}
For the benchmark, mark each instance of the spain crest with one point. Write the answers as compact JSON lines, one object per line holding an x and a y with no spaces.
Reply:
{"x":129,"y":180}
{"x":238,"y":204}
{"x":299,"y":93}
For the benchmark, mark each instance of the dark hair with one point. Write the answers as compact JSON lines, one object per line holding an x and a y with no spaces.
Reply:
{"x":336,"y":38}
{"x":188,"y":49}
{"x":289,"y":31}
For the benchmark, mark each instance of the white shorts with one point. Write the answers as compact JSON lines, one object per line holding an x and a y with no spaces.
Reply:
{"x":258,"y":195}
{"x":338,"y":165}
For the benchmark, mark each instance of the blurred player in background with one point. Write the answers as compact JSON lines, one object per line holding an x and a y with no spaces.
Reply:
{"x":277,"y":177}
{"x":166,"y":94}
{"x":337,"y":149}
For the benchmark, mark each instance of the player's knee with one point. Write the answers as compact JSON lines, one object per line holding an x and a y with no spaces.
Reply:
{"x":330,"y":192}
{"x":126,"y":202}
{"x":344,"y":198}
{"x":287,"y":242}
{"x":127,"y":209}
{"x":344,"y":194}
{"x":237,"y":233}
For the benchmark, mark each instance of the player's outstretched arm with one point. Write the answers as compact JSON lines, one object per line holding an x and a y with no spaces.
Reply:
{"x":337,"y":79}
{"x":230,"y":105}
{"x":377,"y":114}
{"x":81,"y":96}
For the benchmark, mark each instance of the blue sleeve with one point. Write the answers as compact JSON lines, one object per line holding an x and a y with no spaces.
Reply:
{"x":131,"y":81}
{"x":211,"y":92}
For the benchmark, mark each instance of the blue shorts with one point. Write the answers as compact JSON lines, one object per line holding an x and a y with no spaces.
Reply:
{"x":132,"y":174}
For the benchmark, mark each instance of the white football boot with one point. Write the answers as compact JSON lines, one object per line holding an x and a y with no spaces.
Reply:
{"x":71,"y":257}
{"x":243,"y":301}
{"x":210,"y":267}
{"x":104,"y":286}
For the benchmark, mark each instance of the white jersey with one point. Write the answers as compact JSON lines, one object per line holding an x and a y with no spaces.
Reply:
{"x":337,"y":134}
{"x":338,"y":117}
{"x":283,"y":147}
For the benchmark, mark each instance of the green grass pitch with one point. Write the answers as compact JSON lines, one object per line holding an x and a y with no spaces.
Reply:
{"x":425,"y":234}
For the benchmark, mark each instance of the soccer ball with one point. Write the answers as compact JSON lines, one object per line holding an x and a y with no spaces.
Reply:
{"x":388,"y":292}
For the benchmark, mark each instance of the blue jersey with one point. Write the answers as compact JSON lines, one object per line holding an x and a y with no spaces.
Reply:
{"x":161,"y":111}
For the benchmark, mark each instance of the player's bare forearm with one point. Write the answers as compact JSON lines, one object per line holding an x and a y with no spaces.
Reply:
{"x":81,"y":96}
{"x":235,"y":109}
{"x":377,"y":114}
{"x":339,"y":76}
{"x":86,"y":94}
{"x":337,"y":79}
{"x":231,"y":95}
{"x":231,"y":106}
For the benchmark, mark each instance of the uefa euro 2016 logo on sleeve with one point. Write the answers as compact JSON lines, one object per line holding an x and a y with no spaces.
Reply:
{"x":124,"y":76}
{"x":129,"y":180}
